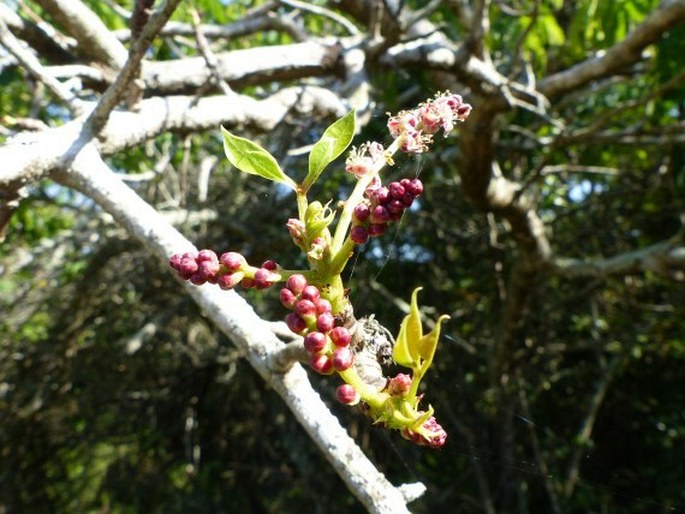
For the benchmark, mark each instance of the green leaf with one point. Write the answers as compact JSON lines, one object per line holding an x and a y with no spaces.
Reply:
{"x":334,"y":141}
{"x":251,"y":158}
{"x":406,"y":350}
{"x":400,"y":352}
{"x":429,"y":342}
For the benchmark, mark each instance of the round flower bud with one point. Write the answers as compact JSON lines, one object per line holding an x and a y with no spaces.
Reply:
{"x":288,"y":298}
{"x":197,"y":279}
{"x":395,"y":206}
{"x":395,"y":190}
{"x":311,"y":293}
{"x":361,"y":212}
{"x":342,"y":358}
{"x":399,"y":385}
{"x":295,"y":323}
{"x":229,"y":280}
{"x":323,"y":305}
{"x":359,"y":235}
{"x":340,"y":336}
{"x":314,"y":342}
{"x":207,"y":256}
{"x":305,"y":309}
{"x":296,"y":283}
{"x":233,"y":261}
{"x":208,"y":269}
{"x":380,"y":214}
{"x":270,"y":265}
{"x":175,"y":261}
{"x":264,"y":278}
{"x":379,"y":195}
{"x":377,"y":229}
{"x":321,"y":363}
{"x":188,"y":265}
{"x":347,"y":395}
{"x":415,"y":187}
{"x":325,"y":322}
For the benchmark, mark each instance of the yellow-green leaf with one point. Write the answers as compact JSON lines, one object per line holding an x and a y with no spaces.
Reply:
{"x":429,"y":342}
{"x":400,"y":352}
{"x":251,"y":158}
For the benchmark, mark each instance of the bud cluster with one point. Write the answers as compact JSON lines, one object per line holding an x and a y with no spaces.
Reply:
{"x":381,"y":206}
{"x":312,"y":317}
{"x":429,"y":434}
{"x":226,"y":271}
{"x":419,"y":125}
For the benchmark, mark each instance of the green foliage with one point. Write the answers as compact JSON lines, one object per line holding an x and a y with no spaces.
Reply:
{"x":334,"y":141}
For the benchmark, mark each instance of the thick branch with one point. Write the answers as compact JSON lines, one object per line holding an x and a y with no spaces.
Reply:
{"x":33,"y":156}
{"x":95,"y":41}
{"x":666,"y":258}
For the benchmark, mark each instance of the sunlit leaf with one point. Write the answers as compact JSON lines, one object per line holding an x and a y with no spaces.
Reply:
{"x":251,"y":158}
{"x":333,"y":142}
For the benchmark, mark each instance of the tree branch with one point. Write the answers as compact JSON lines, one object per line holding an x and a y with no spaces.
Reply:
{"x":95,"y":41}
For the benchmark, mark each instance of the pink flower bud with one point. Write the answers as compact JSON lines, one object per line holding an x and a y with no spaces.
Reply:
{"x":311,"y":293}
{"x":342,"y":358}
{"x":325,"y":322}
{"x":296,"y":283}
{"x":297,"y":230}
{"x":340,"y":336}
{"x":321,"y":363}
{"x":415,"y":187}
{"x":377,"y":229}
{"x":197,"y":279}
{"x":347,"y":395}
{"x":233,"y":261}
{"x":395,"y":190}
{"x":175,"y":261}
{"x":230,"y":280}
{"x":314,"y":342}
{"x":395,"y":206}
{"x":270,"y":265}
{"x":288,"y":298}
{"x":295,"y":323}
{"x":264,"y":278}
{"x":207,"y":256}
{"x":323,"y":306}
{"x":305,"y":308}
{"x":188,"y":265}
{"x":359,"y":235}
{"x":399,"y":385}
{"x":380,"y":214}
{"x":361,"y":212}
{"x":379,"y":195}
{"x":208,"y":269}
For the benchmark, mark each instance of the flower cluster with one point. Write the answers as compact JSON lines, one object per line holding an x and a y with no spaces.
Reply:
{"x":328,"y":345}
{"x":418,"y":125}
{"x":429,"y":434}
{"x":381,"y":206}
{"x":226,"y":271}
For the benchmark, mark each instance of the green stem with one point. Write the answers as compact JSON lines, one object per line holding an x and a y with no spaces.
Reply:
{"x":302,"y":202}
{"x":374,"y":398}
{"x":341,"y":257}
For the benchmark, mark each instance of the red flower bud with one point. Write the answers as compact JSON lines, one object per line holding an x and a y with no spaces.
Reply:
{"x":295,"y":323}
{"x":288,"y":298}
{"x":361,"y":212}
{"x":340,"y":336}
{"x":321,"y":363}
{"x":296,"y":283}
{"x":325,"y":322}
{"x":311,"y":293}
{"x":347,"y":395}
{"x":342,"y":358}
{"x":314,"y":342}
{"x":359,"y":235}
{"x":233,"y":261}
{"x":323,"y":305}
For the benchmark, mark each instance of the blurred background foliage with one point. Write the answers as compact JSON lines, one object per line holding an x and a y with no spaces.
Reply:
{"x":116,"y":395}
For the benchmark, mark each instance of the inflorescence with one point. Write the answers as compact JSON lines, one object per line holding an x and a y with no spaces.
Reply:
{"x":316,"y":299}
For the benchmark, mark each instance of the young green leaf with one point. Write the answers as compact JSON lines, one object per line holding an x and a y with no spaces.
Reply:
{"x":429,"y":342}
{"x":334,"y":142}
{"x":251,"y":158}
{"x":400,"y":352}
{"x":414,"y":329}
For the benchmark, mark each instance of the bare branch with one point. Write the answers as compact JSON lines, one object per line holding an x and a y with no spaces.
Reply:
{"x":666,"y":258}
{"x":95,"y":41}
{"x":33,"y":66}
